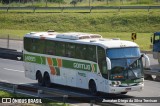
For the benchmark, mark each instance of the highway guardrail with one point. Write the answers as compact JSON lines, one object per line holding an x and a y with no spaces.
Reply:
{"x":50,"y":93}
{"x":89,"y":8}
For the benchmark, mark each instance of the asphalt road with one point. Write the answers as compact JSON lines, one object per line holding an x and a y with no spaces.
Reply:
{"x":154,"y":62}
{"x":13,"y":72}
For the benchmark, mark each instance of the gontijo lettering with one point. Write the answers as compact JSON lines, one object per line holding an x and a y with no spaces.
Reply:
{"x":81,"y":66}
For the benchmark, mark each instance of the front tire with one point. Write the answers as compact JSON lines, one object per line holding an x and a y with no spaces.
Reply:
{"x":92,"y":88}
{"x":123,"y":93}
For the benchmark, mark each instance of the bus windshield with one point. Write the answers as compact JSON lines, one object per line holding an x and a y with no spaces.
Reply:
{"x":126,"y":63}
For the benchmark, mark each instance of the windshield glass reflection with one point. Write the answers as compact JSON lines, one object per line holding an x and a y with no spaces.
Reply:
{"x":126,"y":63}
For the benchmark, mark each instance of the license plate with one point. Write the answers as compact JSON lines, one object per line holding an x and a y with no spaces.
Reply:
{"x":128,"y":89}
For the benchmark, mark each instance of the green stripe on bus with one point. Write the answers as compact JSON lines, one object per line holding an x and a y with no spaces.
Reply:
{"x":132,"y":81}
{"x":32,"y":59}
{"x":95,"y":67}
{"x":54,"y":61}
{"x":43,"y":60}
{"x":66,"y":63}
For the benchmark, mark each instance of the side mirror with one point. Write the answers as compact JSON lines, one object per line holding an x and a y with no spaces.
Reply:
{"x":147,"y":60}
{"x":151,"y":40}
{"x":108,"y":63}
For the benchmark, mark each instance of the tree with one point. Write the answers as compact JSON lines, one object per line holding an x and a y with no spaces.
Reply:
{"x":74,"y":2}
{"x":5,"y":1}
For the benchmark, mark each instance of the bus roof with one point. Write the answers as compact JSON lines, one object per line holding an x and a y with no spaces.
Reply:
{"x":82,"y":38}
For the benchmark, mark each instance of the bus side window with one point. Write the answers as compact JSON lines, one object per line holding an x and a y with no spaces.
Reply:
{"x":27,"y":44}
{"x":70,"y":50}
{"x":104,"y":67}
{"x":80,"y":51}
{"x":50,"y":47}
{"x":37,"y":45}
{"x":60,"y":49}
{"x":91,"y":53}
{"x":101,"y":54}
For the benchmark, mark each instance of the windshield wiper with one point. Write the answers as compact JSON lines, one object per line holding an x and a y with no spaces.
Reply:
{"x":135,"y":77}
{"x":129,"y":67}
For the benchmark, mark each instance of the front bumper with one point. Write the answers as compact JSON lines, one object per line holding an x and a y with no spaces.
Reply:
{"x":117,"y":90}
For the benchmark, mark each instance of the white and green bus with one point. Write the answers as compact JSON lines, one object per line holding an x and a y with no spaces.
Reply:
{"x":85,"y":61}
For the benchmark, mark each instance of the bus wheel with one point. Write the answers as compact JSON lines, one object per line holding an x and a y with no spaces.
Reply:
{"x":47,"y":80}
{"x":40,"y":79}
{"x":123,"y":93}
{"x":92,"y":88}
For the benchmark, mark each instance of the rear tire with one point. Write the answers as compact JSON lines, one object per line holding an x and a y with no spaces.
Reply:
{"x":47,"y":81}
{"x":40,"y":79}
{"x":92,"y":88}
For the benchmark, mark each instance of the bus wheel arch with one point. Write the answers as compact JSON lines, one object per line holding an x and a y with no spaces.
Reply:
{"x":92,"y":87}
{"x":46,"y":79}
{"x":39,"y":78}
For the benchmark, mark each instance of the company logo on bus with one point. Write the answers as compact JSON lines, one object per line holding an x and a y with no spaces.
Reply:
{"x":82,"y":66}
{"x":30,"y":58}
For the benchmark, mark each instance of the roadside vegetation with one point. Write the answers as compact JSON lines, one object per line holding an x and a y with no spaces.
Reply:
{"x":142,"y":22}
{"x":109,"y":24}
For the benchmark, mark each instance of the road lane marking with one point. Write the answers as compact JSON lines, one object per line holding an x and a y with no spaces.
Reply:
{"x":12,"y":70}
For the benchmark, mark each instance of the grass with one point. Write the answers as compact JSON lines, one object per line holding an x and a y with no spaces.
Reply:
{"x":110,"y":24}
{"x":5,"y":94}
{"x":142,"y":22}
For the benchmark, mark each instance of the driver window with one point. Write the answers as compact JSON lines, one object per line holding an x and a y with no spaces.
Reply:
{"x":102,"y":62}
{"x":104,"y":67}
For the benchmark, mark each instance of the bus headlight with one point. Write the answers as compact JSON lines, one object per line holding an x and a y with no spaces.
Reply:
{"x":115,"y":83}
{"x":141,"y":83}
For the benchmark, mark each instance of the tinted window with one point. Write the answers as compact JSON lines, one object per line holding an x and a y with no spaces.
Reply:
{"x":101,"y":54}
{"x":50,"y":47}
{"x":91,"y":53}
{"x":102,"y":62}
{"x":34,"y":45}
{"x":60,"y":48}
{"x":70,"y":50}
{"x":27,"y":44}
{"x":38,"y":45}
